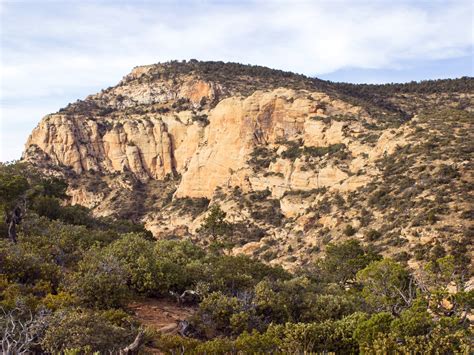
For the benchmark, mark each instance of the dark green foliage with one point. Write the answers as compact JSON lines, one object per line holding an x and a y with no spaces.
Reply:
{"x":47,"y":206}
{"x":64,"y":243}
{"x":305,"y":193}
{"x":446,"y":174}
{"x":349,"y":230}
{"x":24,"y":265}
{"x":261,"y":158}
{"x":380,"y":198}
{"x":85,"y":270}
{"x":259,"y":195}
{"x":192,"y":206}
{"x":181,"y":104}
{"x":437,"y":252}
{"x":387,"y":286}
{"x":12,"y":187}
{"x":96,"y":184}
{"x":202,"y":119}
{"x":180,"y":252}
{"x":53,"y":187}
{"x":325,"y":119}
{"x":77,"y":215}
{"x":215,"y":224}
{"x":414,"y":321}
{"x":85,"y":331}
{"x":234,"y":274}
{"x":343,"y":261}
{"x":372,"y":235}
{"x":296,"y":149}
{"x":138,"y":260}
{"x":218,"y":314}
{"x":321,"y":307}
{"x":371,"y":329}
{"x":181,"y":265}
{"x":156,"y":268}
{"x":328,"y":336}
{"x":268,"y":211}
{"x":334,"y":150}
{"x":100,"y":281}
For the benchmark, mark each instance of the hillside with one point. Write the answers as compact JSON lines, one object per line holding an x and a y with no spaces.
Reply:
{"x":213,"y":208}
{"x":295,"y":162}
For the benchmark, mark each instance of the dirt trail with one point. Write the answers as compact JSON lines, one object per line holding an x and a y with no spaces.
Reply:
{"x":160,"y":314}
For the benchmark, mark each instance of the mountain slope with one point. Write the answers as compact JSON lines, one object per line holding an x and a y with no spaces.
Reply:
{"x":295,"y":162}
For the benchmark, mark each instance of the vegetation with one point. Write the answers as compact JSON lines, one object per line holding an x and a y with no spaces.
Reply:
{"x":261,"y":158}
{"x":68,"y":278}
{"x":193,"y":206}
{"x":66,"y":282}
{"x":295,"y":149}
{"x":390,"y":104}
{"x":202,"y":119}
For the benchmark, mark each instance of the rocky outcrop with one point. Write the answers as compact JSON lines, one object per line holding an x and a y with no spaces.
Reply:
{"x":290,"y":165}
{"x":143,"y":147}
{"x":154,"y":146}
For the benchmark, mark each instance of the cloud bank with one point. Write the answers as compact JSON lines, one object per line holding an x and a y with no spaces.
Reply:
{"x":53,"y":52}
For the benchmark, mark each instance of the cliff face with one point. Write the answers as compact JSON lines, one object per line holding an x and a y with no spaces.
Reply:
{"x":183,"y":134}
{"x":156,"y":145}
{"x":143,"y":147}
{"x":143,"y":144}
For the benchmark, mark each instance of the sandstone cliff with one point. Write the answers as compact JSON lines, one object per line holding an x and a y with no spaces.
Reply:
{"x":296,"y":161}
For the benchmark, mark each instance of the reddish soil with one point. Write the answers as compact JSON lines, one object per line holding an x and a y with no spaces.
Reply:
{"x":160,"y":314}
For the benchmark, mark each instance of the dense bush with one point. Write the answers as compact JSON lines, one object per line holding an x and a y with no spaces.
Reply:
{"x":215,"y":223}
{"x":26,"y":266}
{"x":193,"y":206}
{"x":343,"y":261}
{"x":261,"y":158}
{"x":387,"y":286}
{"x":100,"y":281}
{"x":85,"y":331}
{"x":69,"y":277}
{"x":138,"y":261}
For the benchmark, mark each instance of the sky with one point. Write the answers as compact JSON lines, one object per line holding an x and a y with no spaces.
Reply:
{"x":55,"y":52}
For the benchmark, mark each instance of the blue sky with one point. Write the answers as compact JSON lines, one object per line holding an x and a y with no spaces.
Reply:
{"x":54,"y":52}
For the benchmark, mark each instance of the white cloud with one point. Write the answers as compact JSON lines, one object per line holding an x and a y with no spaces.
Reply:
{"x":52,"y":49}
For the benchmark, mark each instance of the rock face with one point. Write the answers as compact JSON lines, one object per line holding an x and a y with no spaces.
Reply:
{"x":287,"y":156}
{"x":155,"y":146}
{"x":144,"y":147}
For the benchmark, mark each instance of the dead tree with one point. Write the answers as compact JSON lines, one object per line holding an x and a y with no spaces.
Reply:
{"x":134,"y":347}
{"x":12,"y":220}
{"x":188,"y":297}
{"x":183,"y":328}
{"x":20,"y":331}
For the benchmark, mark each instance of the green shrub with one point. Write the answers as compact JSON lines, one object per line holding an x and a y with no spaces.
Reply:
{"x":319,"y":308}
{"x":414,"y":321}
{"x":25,"y":265}
{"x":47,"y":206}
{"x":86,"y":332}
{"x":202,"y":119}
{"x":137,"y":257}
{"x":349,"y":230}
{"x":343,"y":261}
{"x":371,"y":329}
{"x":193,"y":206}
{"x":100,"y":281}
{"x":215,"y":224}
{"x":215,"y":314}
{"x":372,"y":235}
{"x":261,"y":158}
{"x":386,"y":285}
{"x":231,"y":274}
